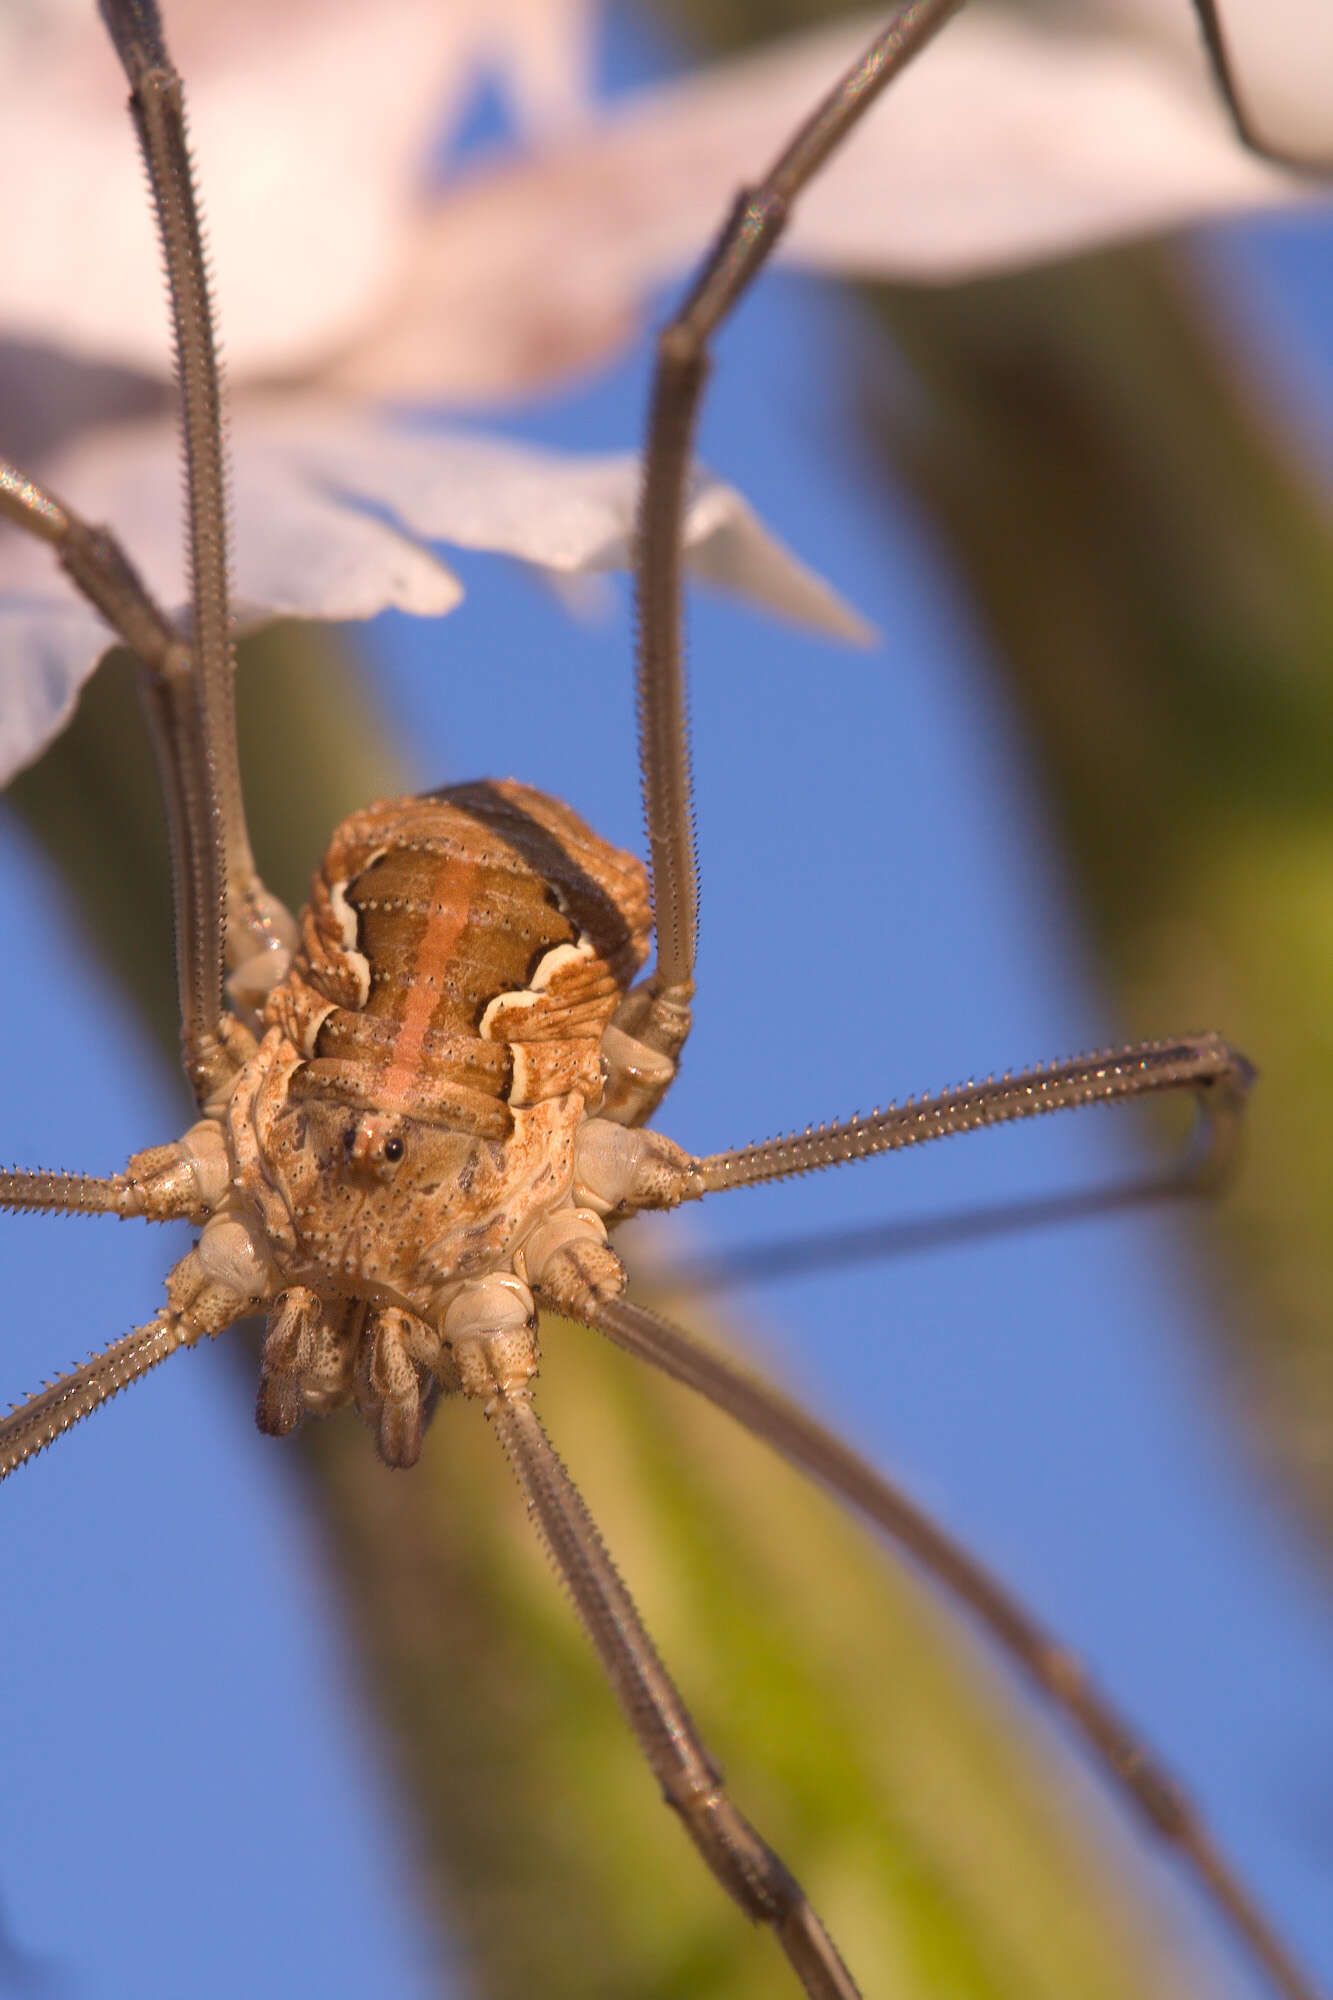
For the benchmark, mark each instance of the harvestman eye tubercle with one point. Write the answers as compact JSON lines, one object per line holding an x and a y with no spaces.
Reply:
{"x":423,"y":1104}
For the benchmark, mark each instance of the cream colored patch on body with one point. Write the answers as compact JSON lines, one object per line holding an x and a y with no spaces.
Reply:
{"x":314,"y":1021}
{"x":552,"y":962}
{"x":349,"y":931}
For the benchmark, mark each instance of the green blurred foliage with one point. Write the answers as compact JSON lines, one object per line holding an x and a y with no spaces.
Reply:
{"x":1158,"y":587}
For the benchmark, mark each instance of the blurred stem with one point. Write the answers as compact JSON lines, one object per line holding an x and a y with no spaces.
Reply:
{"x":1152,"y":565}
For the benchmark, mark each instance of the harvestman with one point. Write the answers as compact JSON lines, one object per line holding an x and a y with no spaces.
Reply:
{"x":426,"y":1101}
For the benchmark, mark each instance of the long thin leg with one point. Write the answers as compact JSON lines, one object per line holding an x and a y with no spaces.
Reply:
{"x":682,"y":365}
{"x":73,"y":1194}
{"x":46,"y":1416}
{"x":194,"y":711}
{"x":645,"y":1170}
{"x":691,"y":1783}
{"x":1203,"y":1063}
{"x":95,"y":563}
{"x":181,"y":1182}
{"x":218,"y":897}
{"x":1219,"y":58}
{"x":158,"y":108}
{"x":254,"y":920}
{"x":824,"y":1457}
{"x":196,"y":1306}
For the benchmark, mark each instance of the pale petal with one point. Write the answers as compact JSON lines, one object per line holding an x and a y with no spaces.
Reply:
{"x":301,"y":550}
{"x":313,"y":483}
{"x":49,"y":644}
{"x":1011,"y":141}
{"x":312,"y":127}
{"x":563,"y":512}
{"x":305,"y":549}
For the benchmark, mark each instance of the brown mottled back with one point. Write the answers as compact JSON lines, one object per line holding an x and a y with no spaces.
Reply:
{"x":430,"y":920}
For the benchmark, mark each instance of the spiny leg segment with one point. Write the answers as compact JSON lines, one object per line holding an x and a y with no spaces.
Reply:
{"x":691,"y":1783}
{"x":681,"y":371}
{"x":183,"y":1181}
{"x":224,"y":915}
{"x":588,"y":1284}
{"x":178,"y":1182}
{"x":1125,"y":1760}
{"x":197,"y":1305}
{"x":629,"y":1171}
{"x":168,"y":687}
{"x":658,"y":1014}
{"x":157,"y":104}
{"x":1204,"y":1064}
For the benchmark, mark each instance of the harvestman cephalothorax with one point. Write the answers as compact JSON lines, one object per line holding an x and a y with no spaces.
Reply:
{"x":423,"y":1104}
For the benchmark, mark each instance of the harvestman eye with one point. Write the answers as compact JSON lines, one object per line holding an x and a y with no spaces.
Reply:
{"x":529,"y":1068}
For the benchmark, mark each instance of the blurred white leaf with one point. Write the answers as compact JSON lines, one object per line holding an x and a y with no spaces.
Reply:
{"x":1016,"y":138}
{"x":312,"y":125}
{"x":563,"y":513}
{"x":335,"y":506}
{"x":338,"y":265}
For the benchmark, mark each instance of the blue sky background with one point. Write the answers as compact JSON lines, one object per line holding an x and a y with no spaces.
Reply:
{"x":192,"y":1800}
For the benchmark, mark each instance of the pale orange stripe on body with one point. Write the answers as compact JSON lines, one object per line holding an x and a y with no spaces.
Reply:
{"x":444,"y":926}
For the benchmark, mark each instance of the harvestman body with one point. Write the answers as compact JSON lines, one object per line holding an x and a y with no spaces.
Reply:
{"x":425,"y":1105}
